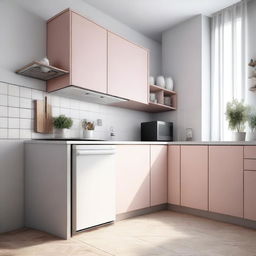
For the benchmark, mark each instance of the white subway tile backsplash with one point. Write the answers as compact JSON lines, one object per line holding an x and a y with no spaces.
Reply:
{"x":17,"y":113}
{"x":14,"y":90}
{"x":25,"y":113}
{"x":3,"y":100}
{"x":26,"y":124}
{"x":13,"y":101}
{"x":3,"y":111}
{"x":25,"y":134}
{"x":13,"y":133}
{"x":13,"y":123}
{"x":64,"y":103}
{"x":3,"y":133}
{"x":26,"y":103}
{"x":13,"y":112}
{"x":3,"y":122}
{"x":25,"y":92}
{"x":55,"y":111}
{"x":55,"y":101}
{"x":37,"y":95}
{"x":3,"y":88}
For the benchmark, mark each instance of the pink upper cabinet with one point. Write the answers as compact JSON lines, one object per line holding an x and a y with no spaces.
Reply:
{"x":133,"y":177}
{"x":89,"y":54}
{"x":226,"y":180}
{"x":158,"y":174}
{"x":174,"y":174}
{"x":249,"y":195}
{"x":127,"y":69}
{"x":80,"y":46}
{"x":194,"y":177}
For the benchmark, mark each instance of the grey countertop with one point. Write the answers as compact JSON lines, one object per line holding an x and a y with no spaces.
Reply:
{"x":85,"y":142}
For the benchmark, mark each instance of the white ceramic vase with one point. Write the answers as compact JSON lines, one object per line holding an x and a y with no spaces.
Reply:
{"x":151,"y":80}
{"x":239,"y":136}
{"x":62,"y":133}
{"x":160,"y":81}
{"x":169,"y":83}
{"x":251,"y":136}
{"x":88,"y":134}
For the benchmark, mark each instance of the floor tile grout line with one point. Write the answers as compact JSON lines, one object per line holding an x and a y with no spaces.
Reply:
{"x":81,"y":241}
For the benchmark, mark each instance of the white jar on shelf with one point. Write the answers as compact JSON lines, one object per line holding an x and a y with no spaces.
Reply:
{"x":160,"y":81}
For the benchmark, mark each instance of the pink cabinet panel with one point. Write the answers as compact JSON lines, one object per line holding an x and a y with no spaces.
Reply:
{"x":133,"y":177}
{"x":158,"y":159}
{"x":249,"y":164}
{"x":249,"y":195}
{"x":127,"y":69}
{"x":194,"y":177}
{"x":58,"y":30}
{"x":250,"y":152}
{"x":226,"y":180}
{"x":174,"y":174}
{"x":89,"y":54}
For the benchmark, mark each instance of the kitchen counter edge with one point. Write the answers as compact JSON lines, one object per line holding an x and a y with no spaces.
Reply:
{"x":224,"y":143}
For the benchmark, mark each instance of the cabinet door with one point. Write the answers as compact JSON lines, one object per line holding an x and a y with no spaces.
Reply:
{"x":89,"y":54}
{"x":226,"y":180}
{"x":127,"y":69}
{"x":174,"y":175}
{"x":249,"y":195}
{"x":133,"y":177}
{"x":194,"y":177}
{"x":158,"y":173}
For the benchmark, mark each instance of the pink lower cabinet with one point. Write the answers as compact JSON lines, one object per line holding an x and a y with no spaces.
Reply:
{"x":174,"y":174}
{"x":158,"y":159}
{"x":194,"y":177}
{"x":249,"y":195}
{"x":133,"y":177}
{"x":226,"y":180}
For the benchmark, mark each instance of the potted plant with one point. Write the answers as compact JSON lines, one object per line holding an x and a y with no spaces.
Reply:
{"x":251,"y":136}
{"x":62,"y":124}
{"x":237,"y":114}
{"x":88,"y":129}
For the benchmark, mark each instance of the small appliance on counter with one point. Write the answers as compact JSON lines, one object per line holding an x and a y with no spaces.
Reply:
{"x":157,"y":131}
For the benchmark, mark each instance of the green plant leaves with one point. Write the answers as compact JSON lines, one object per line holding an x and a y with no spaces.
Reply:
{"x":62,"y":122}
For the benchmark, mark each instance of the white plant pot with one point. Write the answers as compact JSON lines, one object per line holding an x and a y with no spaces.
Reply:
{"x":88,"y":134}
{"x":251,"y":136}
{"x":239,"y":136}
{"x":62,"y":133}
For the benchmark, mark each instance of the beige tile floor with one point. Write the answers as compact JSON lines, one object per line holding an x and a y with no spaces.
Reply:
{"x":164,"y":233}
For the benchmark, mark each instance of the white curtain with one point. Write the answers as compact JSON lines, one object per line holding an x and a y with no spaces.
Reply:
{"x":229,"y":65}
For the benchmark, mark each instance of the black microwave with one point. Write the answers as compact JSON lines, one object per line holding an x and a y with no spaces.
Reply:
{"x":157,"y":131}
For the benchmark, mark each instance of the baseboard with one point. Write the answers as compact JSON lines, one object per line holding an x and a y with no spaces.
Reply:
{"x":214,"y":216}
{"x":143,"y":211}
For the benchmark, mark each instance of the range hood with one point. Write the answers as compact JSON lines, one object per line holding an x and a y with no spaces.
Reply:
{"x":82,"y":94}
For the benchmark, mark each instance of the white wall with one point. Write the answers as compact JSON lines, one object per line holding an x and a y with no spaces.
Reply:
{"x":186,"y":60}
{"x":23,"y":39}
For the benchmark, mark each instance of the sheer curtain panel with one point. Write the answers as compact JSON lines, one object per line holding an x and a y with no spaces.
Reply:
{"x":229,"y":65}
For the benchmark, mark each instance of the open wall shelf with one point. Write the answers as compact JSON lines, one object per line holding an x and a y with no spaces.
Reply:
{"x":161,"y":93}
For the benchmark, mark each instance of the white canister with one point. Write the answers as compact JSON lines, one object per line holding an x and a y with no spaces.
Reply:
{"x":160,"y":81}
{"x":169,"y":83}
{"x":167,"y":100}
{"x":152,"y":97}
{"x":88,"y":134}
{"x":151,"y":80}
